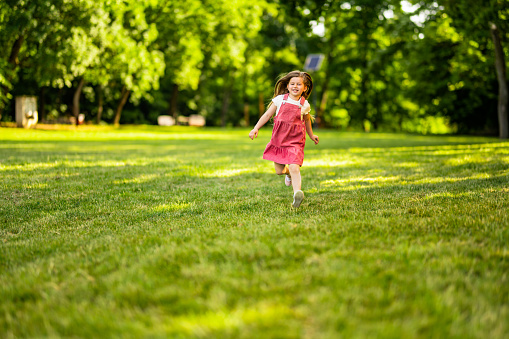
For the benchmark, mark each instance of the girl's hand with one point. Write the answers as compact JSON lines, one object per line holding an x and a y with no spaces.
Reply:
{"x":253,"y":134}
{"x":315,"y":139}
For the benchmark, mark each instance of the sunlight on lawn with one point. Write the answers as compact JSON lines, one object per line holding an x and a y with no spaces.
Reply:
{"x":346,"y":182}
{"x":407,"y":164}
{"x":352,"y":183}
{"x":27,"y":146}
{"x":328,"y":162}
{"x":448,"y":195}
{"x":171,"y":207}
{"x":220,"y":321}
{"x":43,"y":165}
{"x":227,"y":173}
{"x":138,"y":180}
{"x":456,"y":148}
{"x":468,"y":159}
{"x":28,"y":167}
{"x":438,"y":180}
{"x":36,"y":186}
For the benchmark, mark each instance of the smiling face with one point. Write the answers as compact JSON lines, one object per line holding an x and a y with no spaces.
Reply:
{"x":296,"y":87}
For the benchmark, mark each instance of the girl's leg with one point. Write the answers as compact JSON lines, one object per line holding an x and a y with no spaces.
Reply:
{"x":281,"y":169}
{"x":296,"y":178}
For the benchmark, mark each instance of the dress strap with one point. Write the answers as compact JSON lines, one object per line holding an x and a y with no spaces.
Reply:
{"x":285,"y":98}
{"x":302,"y":100}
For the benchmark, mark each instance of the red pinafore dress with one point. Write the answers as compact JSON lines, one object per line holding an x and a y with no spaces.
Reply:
{"x":288,"y":135}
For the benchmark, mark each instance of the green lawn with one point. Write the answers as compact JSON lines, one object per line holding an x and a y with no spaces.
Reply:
{"x":188,"y":233}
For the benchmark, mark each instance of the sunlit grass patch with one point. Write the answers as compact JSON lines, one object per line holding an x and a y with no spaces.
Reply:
{"x":226,"y":173}
{"x":469,"y":159}
{"x":236,"y":323}
{"x":171,"y":207}
{"x":324,"y":162}
{"x":177,"y":232}
{"x":353,"y":182}
{"x":138,"y":180}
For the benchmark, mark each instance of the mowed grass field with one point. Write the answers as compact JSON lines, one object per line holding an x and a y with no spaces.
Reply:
{"x":188,"y":233}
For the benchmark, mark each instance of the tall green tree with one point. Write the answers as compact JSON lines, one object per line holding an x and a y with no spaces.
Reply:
{"x":199,"y":37}
{"x":358,"y":52}
{"x":180,"y":39}
{"x":69,"y":60}
{"x":480,"y":21}
{"x":30,"y":26}
{"x":478,"y":63}
{"x":132,"y":57}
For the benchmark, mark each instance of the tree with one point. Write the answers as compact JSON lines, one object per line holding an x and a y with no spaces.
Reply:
{"x":502,"y":81}
{"x":481,"y":22}
{"x":131,"y":54}
{"x":179,"y":25}
{"x":358,"y":81}
{"x":29,"y":26}
{"x":384,"y":69}
{"x":74,"y":58}
{"x":198,"y":38}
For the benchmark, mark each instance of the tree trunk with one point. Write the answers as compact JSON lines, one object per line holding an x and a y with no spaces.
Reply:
{"x":173,"y":102}
{"x":226,"y":105}
{"x":323,"y":100}
{"x":202,"y":81}
{"x":244,"y":92}
{"x":58,"y":103}
{"x":363,"y":46}
{"x":100,"y":105}
{"x":76,"y":101}
{"x":226,"y":98}
{"x":363,"y":100}
{"x":246,"y":114}
{"x":13,"y":60}
{"x":42,"y":104}
{"x":123,"y":100}
{"x":325,"y":87}
{"x":261,"y":104}
{"x":502,"y":83}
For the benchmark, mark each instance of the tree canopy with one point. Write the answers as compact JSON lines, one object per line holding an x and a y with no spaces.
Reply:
{"x":425,"y":66}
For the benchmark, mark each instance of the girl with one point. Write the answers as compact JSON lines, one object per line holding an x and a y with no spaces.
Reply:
{"x":286,"y":147}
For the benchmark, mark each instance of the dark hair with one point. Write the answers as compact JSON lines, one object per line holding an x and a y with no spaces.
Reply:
{"x":282,"y":83}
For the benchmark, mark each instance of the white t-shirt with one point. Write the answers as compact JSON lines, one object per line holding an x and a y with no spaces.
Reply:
{"x":305,"y":109}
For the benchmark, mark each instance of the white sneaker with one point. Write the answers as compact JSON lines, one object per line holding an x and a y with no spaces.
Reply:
{"x":288,"y":180}
{"x":297,"y":198}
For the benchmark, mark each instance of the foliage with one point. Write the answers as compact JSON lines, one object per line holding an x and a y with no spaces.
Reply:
{"x":131,"y":232}
{"x":29,"y":29}
{"x":460,"y":58}
{"x":389,"y":64}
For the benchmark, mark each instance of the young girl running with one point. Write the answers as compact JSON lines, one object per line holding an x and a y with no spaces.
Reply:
{"x":286,"y":147}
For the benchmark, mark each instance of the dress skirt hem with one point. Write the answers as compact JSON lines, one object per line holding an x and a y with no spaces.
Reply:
{"x":283,"y":155}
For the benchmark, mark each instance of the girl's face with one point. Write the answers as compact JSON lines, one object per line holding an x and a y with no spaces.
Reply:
{"x":296,"y":87}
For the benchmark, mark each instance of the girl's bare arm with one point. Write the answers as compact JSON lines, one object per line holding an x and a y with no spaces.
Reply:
{"x":263,"y":120}
{"x":309,"y":129}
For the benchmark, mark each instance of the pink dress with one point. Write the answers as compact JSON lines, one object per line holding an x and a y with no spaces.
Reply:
{"x":288,"y":136}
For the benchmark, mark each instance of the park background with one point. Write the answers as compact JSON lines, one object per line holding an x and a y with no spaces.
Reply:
{"x":411,"y":66}
{"x":119,"y":228}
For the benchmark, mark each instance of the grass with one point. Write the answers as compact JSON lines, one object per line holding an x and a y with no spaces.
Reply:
{"x":187,"y":233}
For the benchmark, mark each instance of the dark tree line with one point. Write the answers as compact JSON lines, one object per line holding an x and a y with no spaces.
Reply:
{"x":417,"y":66}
